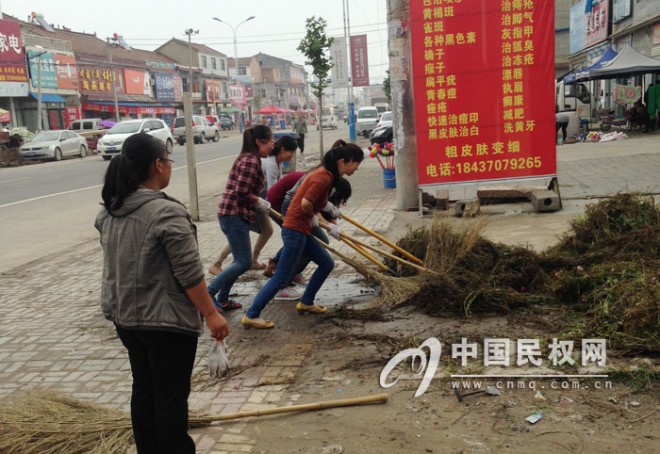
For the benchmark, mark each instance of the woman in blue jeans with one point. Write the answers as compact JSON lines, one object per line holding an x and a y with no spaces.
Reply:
{"x":238,"y":205}
{"x":301,"y":217}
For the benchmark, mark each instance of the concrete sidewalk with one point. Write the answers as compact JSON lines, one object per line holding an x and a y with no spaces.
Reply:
{"x":53,"y":335}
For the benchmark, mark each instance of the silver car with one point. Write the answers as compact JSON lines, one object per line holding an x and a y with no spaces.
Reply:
{"x":54,"y":145}
{"x":110,"y":144}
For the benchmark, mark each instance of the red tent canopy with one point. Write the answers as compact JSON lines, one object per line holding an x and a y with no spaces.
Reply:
{"x":270,"y":110}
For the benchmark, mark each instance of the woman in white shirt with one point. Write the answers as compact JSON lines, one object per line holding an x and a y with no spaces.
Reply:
{"x":271,"y":166}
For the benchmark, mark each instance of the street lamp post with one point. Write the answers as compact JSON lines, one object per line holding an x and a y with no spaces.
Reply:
{"x":234,"y":29}
{"x":113,"y":42}
{"x":39,"y":101}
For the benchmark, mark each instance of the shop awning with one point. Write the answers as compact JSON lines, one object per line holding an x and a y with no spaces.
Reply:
{"x":49,"y":97}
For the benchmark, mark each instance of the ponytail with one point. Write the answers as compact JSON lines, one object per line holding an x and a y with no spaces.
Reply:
{"x":130,"y":168}
{"x":348,"y":152}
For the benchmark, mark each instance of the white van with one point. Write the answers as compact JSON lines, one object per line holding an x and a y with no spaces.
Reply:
{"x":367,"y":119}
{"x":328,"y":118}
{"x":85,"y":125}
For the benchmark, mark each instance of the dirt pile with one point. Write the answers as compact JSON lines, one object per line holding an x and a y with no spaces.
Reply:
{"x":603,"y":276}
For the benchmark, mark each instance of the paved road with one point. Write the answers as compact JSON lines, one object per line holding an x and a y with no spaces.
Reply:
{"x":49,"y":207}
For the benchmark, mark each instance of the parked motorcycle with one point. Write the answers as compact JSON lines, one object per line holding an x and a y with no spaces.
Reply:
{"x":608,"y":120}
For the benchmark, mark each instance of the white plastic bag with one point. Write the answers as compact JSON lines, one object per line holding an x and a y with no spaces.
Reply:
{"x":218,"y":360}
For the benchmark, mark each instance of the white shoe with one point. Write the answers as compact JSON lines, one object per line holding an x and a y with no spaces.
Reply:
{"x":288,"y":294}
{"x":298,"y":279}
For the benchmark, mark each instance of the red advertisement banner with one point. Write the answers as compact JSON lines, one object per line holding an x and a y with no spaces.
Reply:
{"x":483,"y":77}
{"x":359,"y":61}
{"x":134,"y":81}
{"x":71,"y":114}
{"x":12,"y":58}
{"x":67,"y":72}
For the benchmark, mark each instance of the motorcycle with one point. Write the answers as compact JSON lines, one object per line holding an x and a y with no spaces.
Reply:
{"x":608,"y":120}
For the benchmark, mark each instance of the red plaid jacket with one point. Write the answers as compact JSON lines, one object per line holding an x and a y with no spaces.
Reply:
{"x":245,"y":179}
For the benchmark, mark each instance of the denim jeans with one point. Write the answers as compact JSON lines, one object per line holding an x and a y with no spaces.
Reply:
{"x":161,"y":365}
{"x":295,"y":245}
{"x":304,"y":260}
{"x":237,"y":231}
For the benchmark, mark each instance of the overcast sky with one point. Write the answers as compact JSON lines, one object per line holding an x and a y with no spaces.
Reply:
{"x":277,"y":29}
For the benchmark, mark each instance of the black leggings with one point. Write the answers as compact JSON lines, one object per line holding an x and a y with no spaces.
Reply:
{"x":563,"y":127}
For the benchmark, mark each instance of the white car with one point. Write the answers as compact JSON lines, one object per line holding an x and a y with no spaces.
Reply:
{"x":54,"y":145}
{"x":110,"y":144}
{"x":385,"y":120}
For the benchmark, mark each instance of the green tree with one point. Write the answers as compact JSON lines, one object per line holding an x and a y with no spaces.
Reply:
{"x":387,"y":87}
{"x":315,"y":46}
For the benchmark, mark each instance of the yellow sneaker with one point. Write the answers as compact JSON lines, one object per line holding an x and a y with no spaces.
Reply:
{"x":258,"y":323}
{"x":311,"y":308}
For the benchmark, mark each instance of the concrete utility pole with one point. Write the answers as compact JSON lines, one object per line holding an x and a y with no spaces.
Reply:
{"x":190,"y":146}
{"x":403,"y":106}
{"x":113,"y":42}
{"x":351,"y":104}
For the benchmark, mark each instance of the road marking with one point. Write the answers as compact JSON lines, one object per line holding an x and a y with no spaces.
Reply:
{"x":34,"y":199}
{"x":15,"y":179}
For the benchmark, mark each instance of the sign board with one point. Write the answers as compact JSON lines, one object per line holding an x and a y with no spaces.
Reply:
{"x":339,"y":72}
{"x":483,"y":76}
{"x":359,"y":61}
{"x":597,"y":23}
{"x":13,"y":74}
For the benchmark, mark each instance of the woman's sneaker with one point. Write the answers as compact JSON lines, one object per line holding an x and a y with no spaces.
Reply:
{"x":288,"y":294}
{"x":298,"y":279}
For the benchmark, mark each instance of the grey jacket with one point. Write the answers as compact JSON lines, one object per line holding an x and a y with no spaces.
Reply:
{"x":150,"y":257}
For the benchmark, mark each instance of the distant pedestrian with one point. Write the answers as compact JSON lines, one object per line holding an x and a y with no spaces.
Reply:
{"x":237,"y":210}
{"x":561,"y":120}
{"x":153,"y":290}
{"x":300,"y":128}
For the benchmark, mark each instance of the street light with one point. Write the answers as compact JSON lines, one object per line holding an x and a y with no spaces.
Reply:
{"x":113,"y":42}
{"x":190,"y":32}
{"x":234,"y":29}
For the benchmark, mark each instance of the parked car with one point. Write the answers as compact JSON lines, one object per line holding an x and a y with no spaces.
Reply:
{"x":384,"y":120}
{"x":381,"y":135}
{"x":202,"y":130}
{"x":86,"y":124}
{"x":54,"y":145}
{"x":328,"y":119}
{"x":110,"y":144}
{"x":367,"y":119}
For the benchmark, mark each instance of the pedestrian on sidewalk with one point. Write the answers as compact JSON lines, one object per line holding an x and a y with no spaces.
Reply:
{"x":238,"y":209}
{"x":153,"y":290}
{"x":561,"y":121}
{"x":283,"y":150}
{"x":310,"y":198}
{"x":300,"y":128}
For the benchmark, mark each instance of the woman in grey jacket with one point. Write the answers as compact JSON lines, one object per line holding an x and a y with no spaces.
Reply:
{"x":154,"y":291}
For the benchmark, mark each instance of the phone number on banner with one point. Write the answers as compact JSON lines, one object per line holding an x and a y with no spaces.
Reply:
{"x":490,"y":165}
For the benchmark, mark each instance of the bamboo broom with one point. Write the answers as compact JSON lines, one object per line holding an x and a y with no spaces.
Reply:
{"x":49,"y":422}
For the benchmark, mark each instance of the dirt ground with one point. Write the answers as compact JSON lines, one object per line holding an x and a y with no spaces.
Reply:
{"x":347,"y":354}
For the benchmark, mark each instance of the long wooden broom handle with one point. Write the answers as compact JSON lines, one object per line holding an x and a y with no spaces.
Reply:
{"x":383,"y":239}
{"x":344,"y":236}
{"x":375,"y":399}
{"x":366,"y":254}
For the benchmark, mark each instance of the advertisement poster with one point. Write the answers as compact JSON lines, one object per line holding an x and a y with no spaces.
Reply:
{"x":339,"y":72}
{"x":134,"y":81}
{"x":597,"y":22}
{"x":12,"y":59}
{"x":483,"y":76}
{"x":67,"y":73}
{"x":165,"y":87}
{"x":71,"y":114}
{"x":46,"y":60}
{"x":359,"y":61}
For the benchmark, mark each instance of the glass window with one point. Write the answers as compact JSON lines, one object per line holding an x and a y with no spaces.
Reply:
{"x":204,"y":64}
{"x":214,"y":63}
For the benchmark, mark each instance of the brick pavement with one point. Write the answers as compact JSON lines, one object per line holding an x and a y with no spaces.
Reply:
{"x":52,"y":333}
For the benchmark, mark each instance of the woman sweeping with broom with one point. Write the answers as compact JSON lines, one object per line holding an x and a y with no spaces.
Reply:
{"x":310,"y":198}
{"x":154,"y":291}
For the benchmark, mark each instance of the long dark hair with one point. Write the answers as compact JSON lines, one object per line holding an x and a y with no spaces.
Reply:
{"x":349,"y":153}
{"x":284,"y":143}
{"x":250,"y":137}
{"x":130,"y":168}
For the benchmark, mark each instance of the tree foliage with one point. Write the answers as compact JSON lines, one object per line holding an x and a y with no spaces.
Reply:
{"x":315,"y":46}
